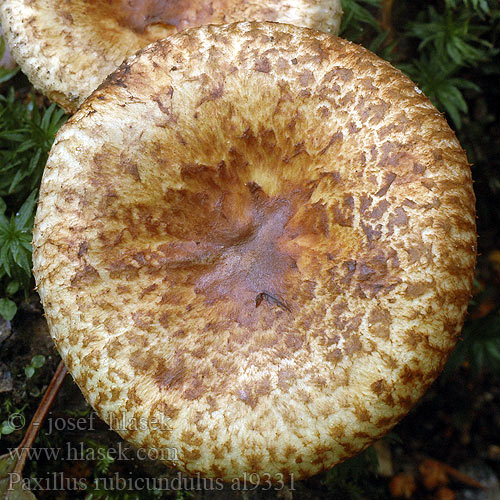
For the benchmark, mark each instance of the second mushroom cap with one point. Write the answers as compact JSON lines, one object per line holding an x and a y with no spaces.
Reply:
{"x":67,"y":48}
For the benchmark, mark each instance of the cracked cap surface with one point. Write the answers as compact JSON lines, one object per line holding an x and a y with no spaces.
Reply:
{"x":261,"y":236}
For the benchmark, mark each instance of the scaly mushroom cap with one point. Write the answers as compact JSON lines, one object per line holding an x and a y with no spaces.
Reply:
{"x":68,"y":48}
{"x":261,"y":236}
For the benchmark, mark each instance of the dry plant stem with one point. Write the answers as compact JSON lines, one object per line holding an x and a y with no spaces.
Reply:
{"x":463,"y":478}
{"x":38,"y":418}
{"x":386,"y":20}
{"x":458,"y":476}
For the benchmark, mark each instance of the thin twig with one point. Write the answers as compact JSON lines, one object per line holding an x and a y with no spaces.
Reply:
{"x":271,"y":300}
{"x":37,"y":421}
{"x":463,"y":478}
{"x":386,"y":21}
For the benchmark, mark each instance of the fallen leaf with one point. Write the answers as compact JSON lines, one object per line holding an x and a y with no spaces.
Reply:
{"x":444,"y":493}
{"x":402,"y":486}
{"x":434,"y":474}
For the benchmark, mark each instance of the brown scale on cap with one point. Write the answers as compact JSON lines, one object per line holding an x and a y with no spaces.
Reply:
{"x":67,"y":48}
{"x":277,"y":286}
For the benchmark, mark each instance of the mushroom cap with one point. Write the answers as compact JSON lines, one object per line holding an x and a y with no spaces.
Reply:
{"x":262,"y":237}
{"x":67,"y":49}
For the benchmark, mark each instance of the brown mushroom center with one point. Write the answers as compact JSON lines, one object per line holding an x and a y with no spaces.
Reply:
{"x":138,"y":14}
{"x":237,"y":248}
{"x":252,"y":269}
